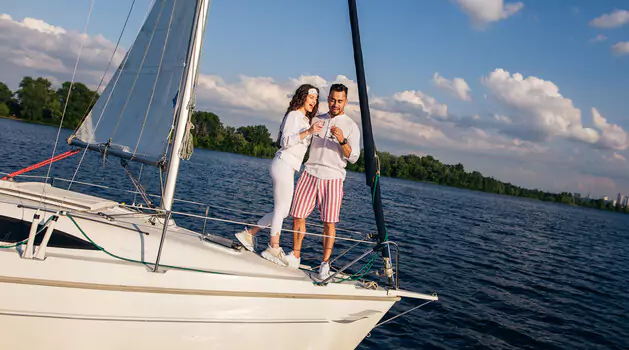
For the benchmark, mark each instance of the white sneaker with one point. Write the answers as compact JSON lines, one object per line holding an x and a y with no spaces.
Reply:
{"x":324,"y":271}
{"x":246,"y":239}
{"x":293,"y":262}
{"x":275,"y":255}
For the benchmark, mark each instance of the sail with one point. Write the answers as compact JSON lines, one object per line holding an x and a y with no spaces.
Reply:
{"x":133,"y":117}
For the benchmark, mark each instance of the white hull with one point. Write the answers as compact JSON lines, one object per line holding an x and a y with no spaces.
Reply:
{"x":80,"y":318}
{"x":85,"y":299}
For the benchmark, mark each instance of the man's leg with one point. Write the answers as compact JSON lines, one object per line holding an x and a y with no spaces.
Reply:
{"x":299,"y":225}
{"x":303,"y":204}
{"x":331,"y":197}
{"x":329,"y":232}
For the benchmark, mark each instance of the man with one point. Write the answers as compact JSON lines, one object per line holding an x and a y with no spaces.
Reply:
{"x":321,"y":182}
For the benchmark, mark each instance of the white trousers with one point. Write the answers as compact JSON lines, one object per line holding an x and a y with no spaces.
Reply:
{"x":283,"y":176}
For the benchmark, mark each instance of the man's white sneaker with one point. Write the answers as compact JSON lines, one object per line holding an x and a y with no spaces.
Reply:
{"x":324,"y":271}
{"x":246,"y":239}
{"x":275,"y":255}
{"x":293,"y":262}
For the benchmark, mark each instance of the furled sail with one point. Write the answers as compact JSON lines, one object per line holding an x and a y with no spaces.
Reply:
{"x":133,"y":117}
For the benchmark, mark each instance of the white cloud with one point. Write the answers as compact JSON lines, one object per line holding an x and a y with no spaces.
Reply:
{"x":250,"y":94}
{"x":457,"y":86}
{"x":417,"y":100}
{"x":599,"y":38}
{"x":502,"y":119}
{"x":619,"y":157}
{"x":34,"y":47}
{"x":483,"y":12}
{"x":612,"y":136}
{"x":621,"y":48}
{"x":539,"y":111}
{"x":616,"y":19}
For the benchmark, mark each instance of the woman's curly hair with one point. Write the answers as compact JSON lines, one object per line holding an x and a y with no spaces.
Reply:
{"x":298,"y":100}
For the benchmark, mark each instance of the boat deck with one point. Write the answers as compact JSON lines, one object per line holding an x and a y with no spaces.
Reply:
{"x":136,"y":235}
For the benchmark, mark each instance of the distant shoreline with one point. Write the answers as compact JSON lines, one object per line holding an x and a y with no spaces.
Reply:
{"x":12,"y":117}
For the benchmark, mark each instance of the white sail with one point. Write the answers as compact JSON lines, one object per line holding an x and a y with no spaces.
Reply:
{"x":134,"y":115}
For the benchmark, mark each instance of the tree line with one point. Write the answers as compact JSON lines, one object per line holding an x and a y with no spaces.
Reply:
{"x":36,"y":101}
{"x":429,"y":169}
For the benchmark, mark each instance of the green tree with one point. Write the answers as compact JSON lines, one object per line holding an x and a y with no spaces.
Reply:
{"x":82,"y":100}
{"x":6,"y":95}
{"x":4,"y":110}
{"x":256,"y":134}
{"x":37,"y":101}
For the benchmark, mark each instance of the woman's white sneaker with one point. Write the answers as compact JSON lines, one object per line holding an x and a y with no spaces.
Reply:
{"x":275,"y":255}
{"x":246,"y":239}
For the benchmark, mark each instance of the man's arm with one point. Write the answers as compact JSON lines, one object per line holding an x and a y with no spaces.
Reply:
{"x":351,"y":144}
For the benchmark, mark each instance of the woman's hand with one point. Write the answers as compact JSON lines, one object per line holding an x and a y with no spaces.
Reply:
{"x":316,"y":127}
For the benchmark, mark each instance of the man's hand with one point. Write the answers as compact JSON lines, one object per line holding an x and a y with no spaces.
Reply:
{"x":338,"y":133}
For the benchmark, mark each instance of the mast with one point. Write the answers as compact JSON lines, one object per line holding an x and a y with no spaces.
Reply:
{"x":372,"y":171}
{"x":185,"y":106}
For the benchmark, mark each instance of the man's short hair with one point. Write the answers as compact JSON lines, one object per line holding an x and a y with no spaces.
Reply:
{"x":339,"y":88}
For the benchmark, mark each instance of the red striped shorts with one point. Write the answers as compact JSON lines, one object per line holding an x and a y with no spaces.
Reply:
{"x":327,"y":194}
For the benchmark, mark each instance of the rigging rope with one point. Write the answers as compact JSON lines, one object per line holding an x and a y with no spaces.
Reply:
{"x":136,"y":182}
{"x":402,"y":314}
{"x":76,"y":65}
{"x":42,"y":163}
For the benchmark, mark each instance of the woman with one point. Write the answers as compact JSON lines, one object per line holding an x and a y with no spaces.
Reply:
{"x":294,"y":138}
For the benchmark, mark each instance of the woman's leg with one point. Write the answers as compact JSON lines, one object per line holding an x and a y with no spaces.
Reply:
{"x":264,"y":222}
{"x":283,"y":186}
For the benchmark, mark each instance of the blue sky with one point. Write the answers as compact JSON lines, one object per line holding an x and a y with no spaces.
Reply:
{"x":404,"y":44}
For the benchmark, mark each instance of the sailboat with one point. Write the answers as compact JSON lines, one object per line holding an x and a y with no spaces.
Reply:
{"x":82,"y":272}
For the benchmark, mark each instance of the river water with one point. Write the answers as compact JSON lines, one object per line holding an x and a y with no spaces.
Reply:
{"x":510,"y":273}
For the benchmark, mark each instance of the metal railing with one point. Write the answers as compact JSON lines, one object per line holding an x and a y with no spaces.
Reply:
{"x":167,"y":216}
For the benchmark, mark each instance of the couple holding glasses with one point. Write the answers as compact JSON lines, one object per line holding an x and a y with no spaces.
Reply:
{"x":334,"y":139}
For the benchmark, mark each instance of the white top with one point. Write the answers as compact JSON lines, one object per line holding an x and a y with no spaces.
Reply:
{"x":292,"y":148}
{"x":327,"y":160}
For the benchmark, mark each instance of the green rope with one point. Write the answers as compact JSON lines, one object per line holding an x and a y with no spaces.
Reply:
{"x":376,"y":180}
{"x":132,"y":260}
{"x":362,"y":272}
{"x":17,"y":244}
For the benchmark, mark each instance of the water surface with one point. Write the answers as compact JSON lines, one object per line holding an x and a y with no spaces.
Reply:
{"x":511,"y":273}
